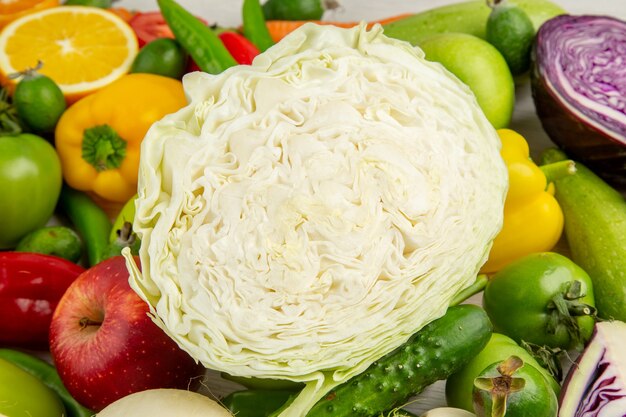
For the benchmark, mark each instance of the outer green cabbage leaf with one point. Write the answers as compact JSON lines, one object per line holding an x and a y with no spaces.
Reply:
{"x":305,"y":215}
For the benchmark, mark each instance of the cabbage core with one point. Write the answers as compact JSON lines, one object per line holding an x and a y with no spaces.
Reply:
{"x":305,"y":215}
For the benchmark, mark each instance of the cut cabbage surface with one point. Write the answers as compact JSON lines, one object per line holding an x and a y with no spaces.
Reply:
{"x":305,"y":215}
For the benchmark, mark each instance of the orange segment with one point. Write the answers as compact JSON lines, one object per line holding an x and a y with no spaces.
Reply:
{"x":12,"y":9}
{"x":82,"y":48}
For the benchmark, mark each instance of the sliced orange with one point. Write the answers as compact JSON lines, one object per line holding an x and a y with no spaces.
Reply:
{"x":82,"y":48}
{"x":12,"y":9}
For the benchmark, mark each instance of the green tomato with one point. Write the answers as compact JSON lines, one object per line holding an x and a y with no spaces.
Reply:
{"x":479,"y":65}
{"x":544,"y":299}
{"x":514,"y":388}
{"x":23,"y":395}
{"x":30,"y":184}
{"x":39,"y":102}
{"x":459,"y":386}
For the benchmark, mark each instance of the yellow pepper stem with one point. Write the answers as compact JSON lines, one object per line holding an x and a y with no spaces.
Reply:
{"x":103,"y":148}
{"x":557,"y":170}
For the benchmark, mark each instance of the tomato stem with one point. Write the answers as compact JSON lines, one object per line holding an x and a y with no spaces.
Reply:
{"x":28,"y":72}
{"x":565,"y":307}
{"x":501,"y":386}
{"x":9,"y":120}
{"x":103,"y":148}
{"x":548,"y":358}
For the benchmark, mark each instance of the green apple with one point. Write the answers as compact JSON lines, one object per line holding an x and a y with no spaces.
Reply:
{"x":479,"y":65}
{"x":23,"y":395}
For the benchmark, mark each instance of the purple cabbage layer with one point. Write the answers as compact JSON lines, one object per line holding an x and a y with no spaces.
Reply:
{"x":583,"y":60}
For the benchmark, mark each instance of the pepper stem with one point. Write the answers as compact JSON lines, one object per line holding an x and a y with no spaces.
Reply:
{"x":552,"y":155}
{"x":557,"y":170}
{"x":501,"y":386}
{"x":103,"y":148}
{"x":565,"y":307}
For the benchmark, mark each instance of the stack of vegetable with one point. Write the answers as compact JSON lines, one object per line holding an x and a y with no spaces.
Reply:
{"x":308,"y":212}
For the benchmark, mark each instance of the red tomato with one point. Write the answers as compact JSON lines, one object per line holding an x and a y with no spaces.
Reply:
{"x":150,"y":26}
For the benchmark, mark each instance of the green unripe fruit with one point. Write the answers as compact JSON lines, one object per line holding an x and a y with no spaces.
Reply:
{"x":39,"y":102}
{"x":511,"y":31}
{"x":479,"y":65}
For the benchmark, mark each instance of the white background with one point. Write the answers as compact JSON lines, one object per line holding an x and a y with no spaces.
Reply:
{"x":227,"y":13}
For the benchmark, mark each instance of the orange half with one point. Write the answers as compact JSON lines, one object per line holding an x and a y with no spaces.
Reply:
{"x":12,"y":9}
{"x":82,"y":48}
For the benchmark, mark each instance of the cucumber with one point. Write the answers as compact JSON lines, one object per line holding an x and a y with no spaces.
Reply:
{"x":595,"y":228}
{"x":435,"y":352}
{"x":466,"y":17}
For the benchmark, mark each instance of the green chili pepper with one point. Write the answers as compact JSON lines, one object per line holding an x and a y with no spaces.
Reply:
{"x":47,"y":374}
{"x":254,"y":27}
{"x":91,"y":222}
{"x":204,"y":46}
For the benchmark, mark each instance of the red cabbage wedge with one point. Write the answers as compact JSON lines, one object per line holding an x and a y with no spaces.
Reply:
{"x":579,"y":89}
{"x":596,"y":384}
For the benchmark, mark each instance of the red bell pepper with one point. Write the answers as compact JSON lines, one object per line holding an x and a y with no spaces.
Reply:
{"x":31,"y":285}
{"x":239,"y":47}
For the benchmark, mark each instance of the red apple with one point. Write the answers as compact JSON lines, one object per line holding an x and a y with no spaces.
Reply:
{"x":105,"y":346}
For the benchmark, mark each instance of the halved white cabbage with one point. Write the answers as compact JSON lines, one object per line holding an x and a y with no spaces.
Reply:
{"x":305,"y":215}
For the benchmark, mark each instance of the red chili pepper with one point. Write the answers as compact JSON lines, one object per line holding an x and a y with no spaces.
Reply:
{"x":239,"y":47}
{"x":31,"y":285}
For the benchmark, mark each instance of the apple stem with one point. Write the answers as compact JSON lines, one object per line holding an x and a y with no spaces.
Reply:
{"x":86,"y":321}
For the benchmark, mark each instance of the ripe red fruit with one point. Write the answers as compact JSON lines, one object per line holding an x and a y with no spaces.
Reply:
{"x":105,"y":346}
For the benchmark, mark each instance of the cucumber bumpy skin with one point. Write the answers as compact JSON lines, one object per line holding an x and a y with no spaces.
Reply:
{"x":466,"y":17}
{"x":435,"y":352}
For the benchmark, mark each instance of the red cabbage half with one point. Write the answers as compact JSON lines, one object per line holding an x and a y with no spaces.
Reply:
{"x":579,"y":89}
{"x":596,"y":384}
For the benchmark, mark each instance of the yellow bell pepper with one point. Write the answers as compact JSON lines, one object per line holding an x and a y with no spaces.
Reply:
{"x":98,"y":138}
{"x":533,"y":220}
